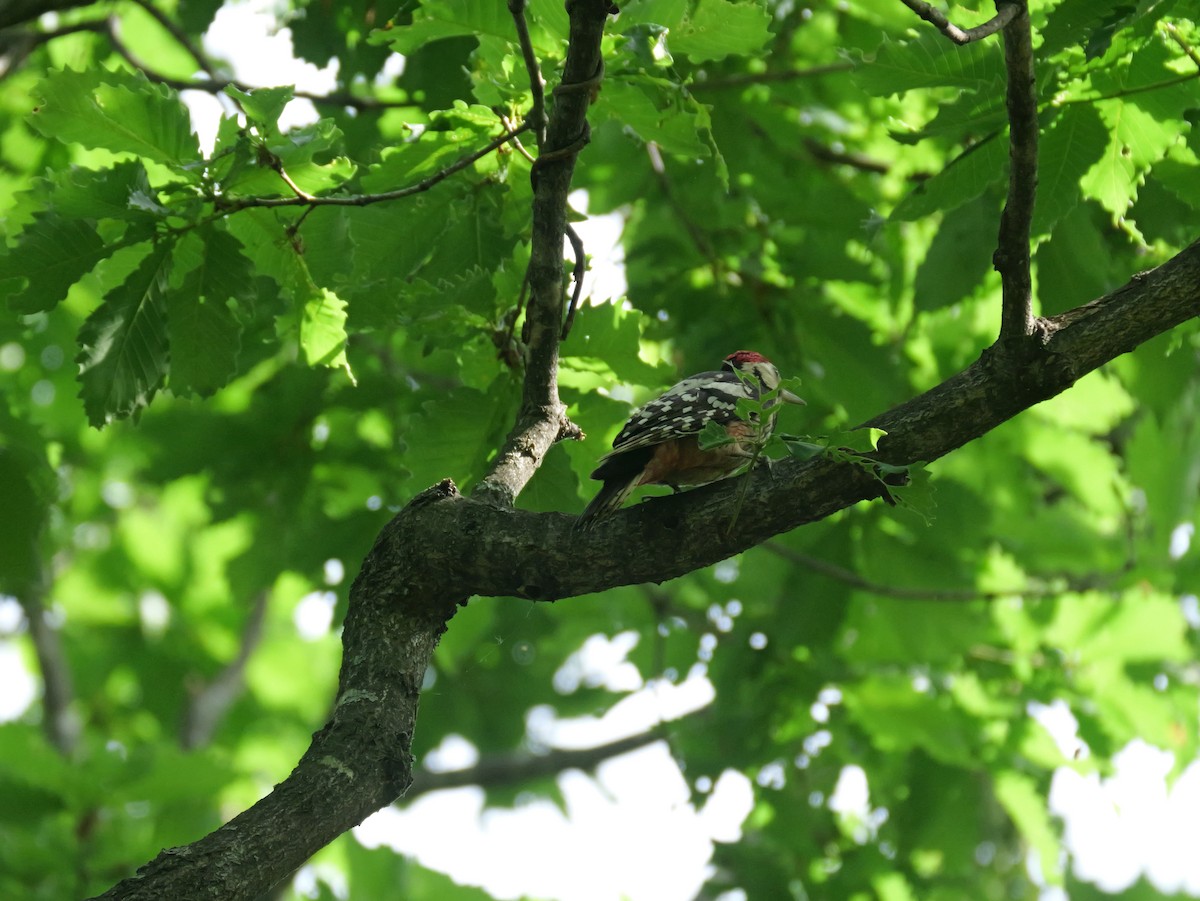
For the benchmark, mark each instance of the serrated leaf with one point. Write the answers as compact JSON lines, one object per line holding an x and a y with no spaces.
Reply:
{"x":1065,"y":153}
{"x":1181,"y":178}
{"x":930,"y":61}
{"x":960,"y":255}
{"x":117,"y":111}
{"x":456,"y":433}
{"x":204,"y":331}
{"x":438,"y":19}
{"x":654,"y":113}
{"x":297,"y":152}
{"x":323,"y":331}
{"x":971,"y":113}
{"x":262,"y":105}
{"x":50,"y":255}
{"x":713,"y":435}
{"x":124,"y":349}
{"x":120,"y":192}
{"x":964,"y":179}
{"x":719,"y":28}
{"x":1141,"y":130}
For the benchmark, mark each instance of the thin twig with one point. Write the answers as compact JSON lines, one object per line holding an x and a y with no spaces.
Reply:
{"x":181,"y":37}
{"x":577,"y":277}
{"x":1174,"y":34}
{"x":210,"y":703}
{"x":59,"y":720}
{"x":1012,"y":258}
{"x":699,"y":238}
{"x":1005,"y":13}
{"x":859,"y":161}
{"x":854,"y":580}
{"x":218,"y":86}
{"x":771,"y":77}
{"x":234,"y":206}
{"x":537,"y":112}
{"x":511,"y":769}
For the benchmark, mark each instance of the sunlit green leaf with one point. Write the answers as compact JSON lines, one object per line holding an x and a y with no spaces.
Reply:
{"x":117,"y":111}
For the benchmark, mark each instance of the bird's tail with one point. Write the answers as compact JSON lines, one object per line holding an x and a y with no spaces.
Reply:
{"x":607,"y":501}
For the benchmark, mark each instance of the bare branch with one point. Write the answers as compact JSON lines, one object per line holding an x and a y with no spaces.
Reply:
{"x":1012,"y":257}
{"x":15,"y":12}
{"x":59,"y":721}
{"x":228,"y":207}
{"x":770,"y":77}
{"x":181,"y":37}
{"x":577,"y":280}
{"x":1006,"y":11}
{"x":209,"y":704}
{"x":537,"y":113}
{"x":854,"y":580}
{"x":543,"y":420}
{"x":512,"y":769}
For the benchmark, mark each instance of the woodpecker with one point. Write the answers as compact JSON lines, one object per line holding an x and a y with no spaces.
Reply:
{"x":659,"y":446}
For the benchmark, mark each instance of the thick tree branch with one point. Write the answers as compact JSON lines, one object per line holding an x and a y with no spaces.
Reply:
{"x":1006,"y":11}
{"x":1012,"y":259}
{"x":443,"y":548}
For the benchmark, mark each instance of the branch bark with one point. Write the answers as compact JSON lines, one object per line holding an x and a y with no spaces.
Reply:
{"x":1005,"y":12}
{"x":444,"y":547}
{"x":1012,"y":258}
{"x":543,"y":418}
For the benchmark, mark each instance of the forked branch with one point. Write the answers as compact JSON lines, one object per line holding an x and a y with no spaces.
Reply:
{"x":1012,"y":256}
{"x":1005,"y":13}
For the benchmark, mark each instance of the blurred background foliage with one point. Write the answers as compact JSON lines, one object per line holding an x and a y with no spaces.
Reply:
{"x":819,"y":181}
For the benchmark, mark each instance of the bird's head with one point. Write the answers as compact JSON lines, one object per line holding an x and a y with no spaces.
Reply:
{"x":752,"y":363}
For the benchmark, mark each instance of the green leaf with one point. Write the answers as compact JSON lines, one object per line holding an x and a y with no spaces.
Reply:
{"x":124,"y":349}
{"x":720,"y":28}
{"x":1142,"y":128}
{"x":262,"y":106}
{"x":120,"y":192}
{"x":1066,"y":152}
{"x":1026,"y":805}
{"x":960,"y":255}
{"x":455,"y":434}
{"x":50,"y":255}
{"x":930,"y":61}
{"x":323,"y":331}
{"x":117,"y":111}
{"x":301,"y":153}
{"x":967,"y":176}
{"x":713,"y":435}
{"x":204,"y":332}
{"x":27,"y":484}
{"x":438,"y":19}
{"x":655,"y":112}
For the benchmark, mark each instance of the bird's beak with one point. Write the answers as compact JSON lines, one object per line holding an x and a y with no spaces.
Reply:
{"x":788,"y":398}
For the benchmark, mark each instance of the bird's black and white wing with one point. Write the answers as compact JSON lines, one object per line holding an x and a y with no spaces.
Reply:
{"x":684,"y":410}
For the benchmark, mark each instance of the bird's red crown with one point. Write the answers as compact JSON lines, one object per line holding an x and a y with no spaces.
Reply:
{"x":739,"y":357}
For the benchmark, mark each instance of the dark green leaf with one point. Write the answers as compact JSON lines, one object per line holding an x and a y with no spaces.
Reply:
{"x":124,"y":345}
